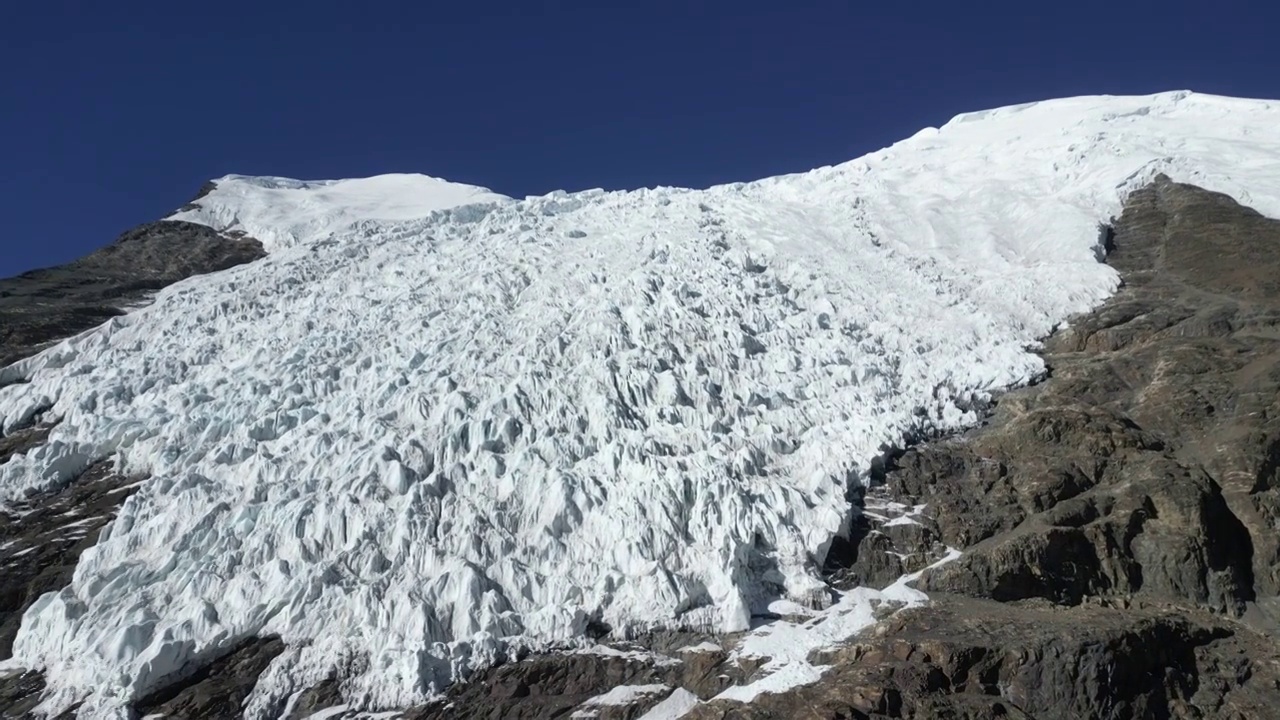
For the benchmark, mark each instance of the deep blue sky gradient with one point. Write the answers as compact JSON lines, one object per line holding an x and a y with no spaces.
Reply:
{"x":113,"y":114}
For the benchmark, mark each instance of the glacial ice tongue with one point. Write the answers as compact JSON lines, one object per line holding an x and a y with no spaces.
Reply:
{"x":435,"y":424}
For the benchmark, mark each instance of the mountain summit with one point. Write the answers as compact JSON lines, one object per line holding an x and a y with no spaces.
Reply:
{"x":436,"y":428}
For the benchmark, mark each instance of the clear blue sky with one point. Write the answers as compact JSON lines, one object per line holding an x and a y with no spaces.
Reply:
{"x":114,"y":113}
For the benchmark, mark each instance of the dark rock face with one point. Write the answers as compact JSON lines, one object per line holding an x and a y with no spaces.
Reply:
{"x":554,"y":686}
{"x":1143,"y":466}
{"x":22,"y":439}
{"x":963,"y":658}
{"x":327,"y":694}
{"x":539,"y":688}
{"x":41,"y":307}
{"x":19,"y":694}
{"x":216,"y":689}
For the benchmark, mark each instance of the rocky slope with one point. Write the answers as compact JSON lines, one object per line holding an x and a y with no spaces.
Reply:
{"x":1117,"y":522}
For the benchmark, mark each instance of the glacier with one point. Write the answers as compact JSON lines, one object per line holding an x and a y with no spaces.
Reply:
{"x":437,"y":425}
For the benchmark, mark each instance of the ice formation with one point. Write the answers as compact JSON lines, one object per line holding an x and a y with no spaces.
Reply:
{"x":675,"y":706}
{"x":436,"y":423}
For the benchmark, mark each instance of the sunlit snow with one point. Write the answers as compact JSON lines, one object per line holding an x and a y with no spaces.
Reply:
{"x":281,"y":212}
{"x":675,"y":706}
{"x":425,"y":430}
{"x":619,"y":696}
{"x":787,"y":645}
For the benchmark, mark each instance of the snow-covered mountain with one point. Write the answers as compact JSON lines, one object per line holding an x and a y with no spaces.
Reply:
{"x":437,"y":424}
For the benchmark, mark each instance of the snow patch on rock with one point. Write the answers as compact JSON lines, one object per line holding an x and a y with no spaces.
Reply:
{"x":621,"y":695}
{"x":674,"y":706}
{"x":281,"y":212}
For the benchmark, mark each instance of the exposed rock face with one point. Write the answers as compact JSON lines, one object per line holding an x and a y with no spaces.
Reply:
{"x":40,"y":307}
{"x":968,"y":658}
{"x":547,"y":686}
{"x":1118,"y":522}
{"x":216,"y":689}
{"x":1147,"y":464}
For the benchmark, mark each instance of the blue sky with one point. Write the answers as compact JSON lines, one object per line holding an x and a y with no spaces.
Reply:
{"x":114,"y":114}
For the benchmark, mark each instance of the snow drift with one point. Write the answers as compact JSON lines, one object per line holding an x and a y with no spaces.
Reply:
{"x":436,"y":423}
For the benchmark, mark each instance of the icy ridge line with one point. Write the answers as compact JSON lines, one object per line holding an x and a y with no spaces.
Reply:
{"x":436,"y":424}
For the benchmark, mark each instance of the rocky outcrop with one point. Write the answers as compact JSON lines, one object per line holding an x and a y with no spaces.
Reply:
{"x":558,"y":685}
{"x":1146,"y":465}
{"x":40,"y":307}
{"x":214,"y":689}
{"x":963,"y":658}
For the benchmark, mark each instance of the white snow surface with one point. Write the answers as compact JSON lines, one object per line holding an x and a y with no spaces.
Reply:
{"x":621,"y":695}
{"x":416,"y":435}
{"x":281,"y":212}
{"x":788,"y":645}
{"x":675,"y":706}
